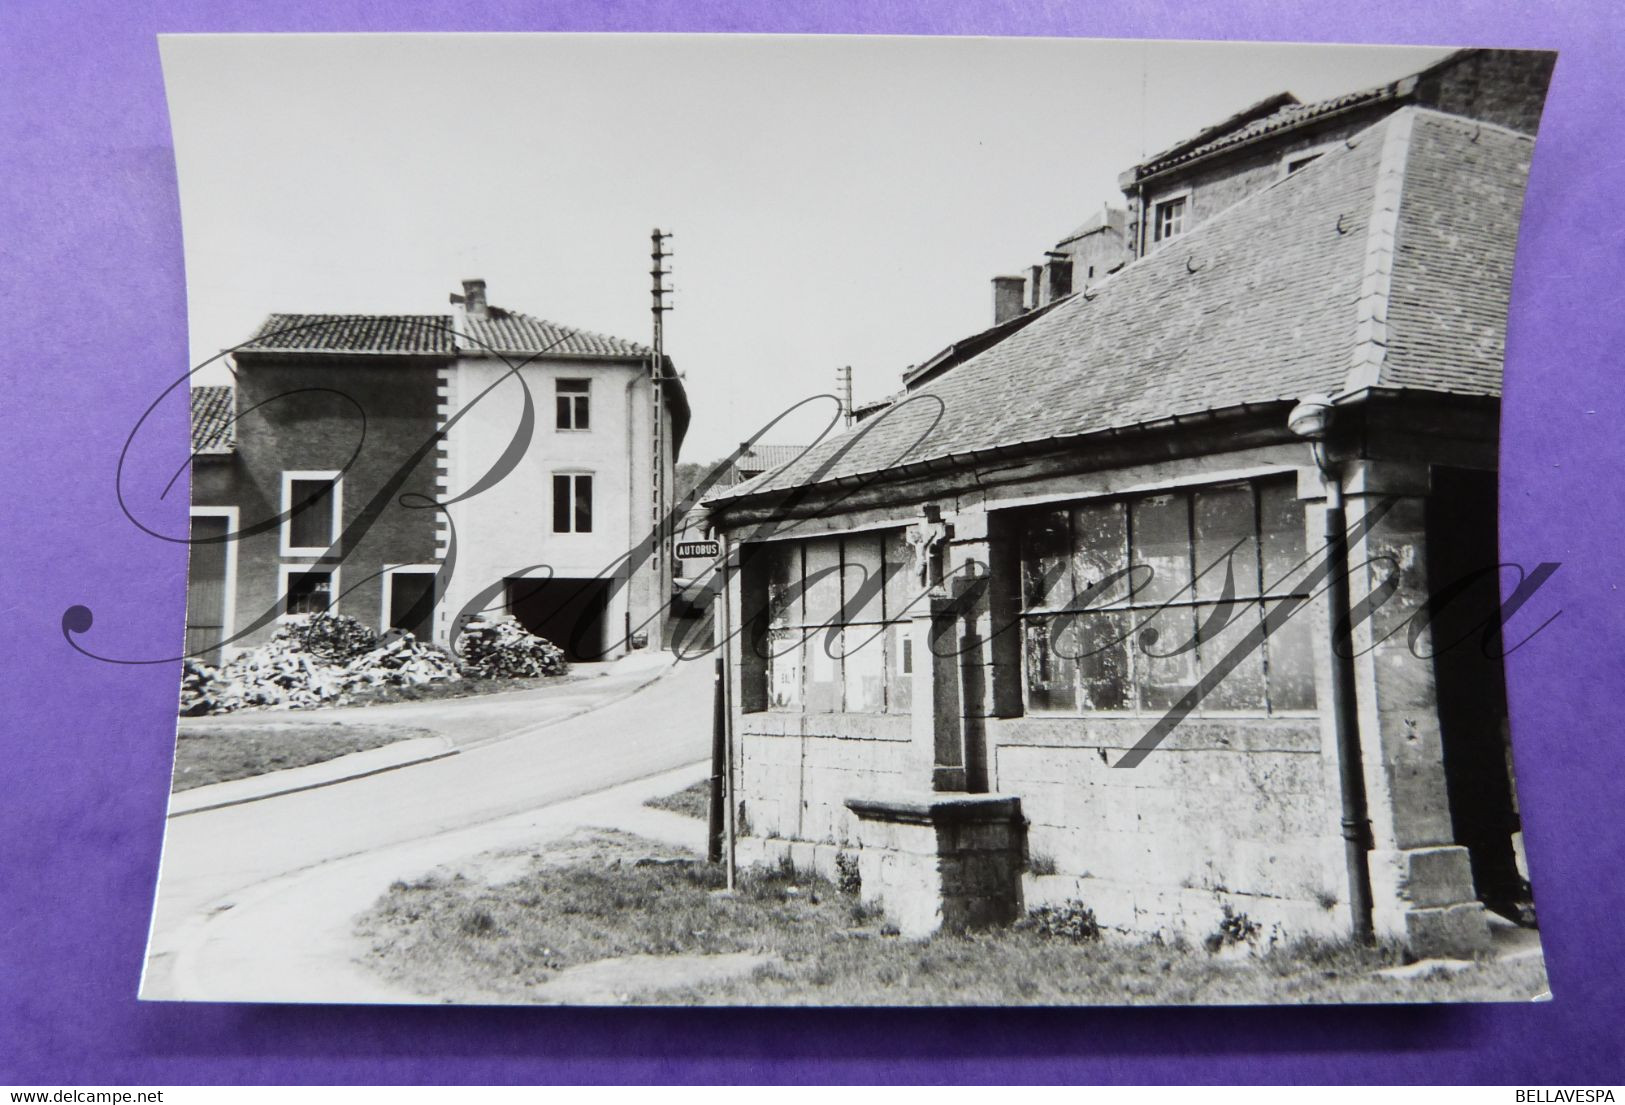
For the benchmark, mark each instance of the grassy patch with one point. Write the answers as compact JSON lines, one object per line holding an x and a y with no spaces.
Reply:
{"x":206,"y":755}
{"x":609,"y":895}
{"x":692,"y":801}
{"x":467,"y":687}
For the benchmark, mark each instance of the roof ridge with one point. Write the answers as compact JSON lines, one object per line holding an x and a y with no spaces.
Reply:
{"x":1376,"y":277}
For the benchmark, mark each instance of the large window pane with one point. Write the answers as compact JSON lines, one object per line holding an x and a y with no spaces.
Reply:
{"x":1226,"y":543}
{"x":1103,"y":664}
{"x":1164,"y":664}
{"x":1281,"y":516}
{"x":1162,"y":542}
{"x":902,"y":583}
{"x":822,"y":581}
{"x":561,"y":504}
{"x":310,"y":592}
{"x":1046,"y":582}
{"x":784,"y":584}
{"x":821,"y":681}
{"x":784,"y":647}
{"x":863,"y":656}
{"x":1223,"y":630}
{"x":1099,"y":555}
{"x":1290,"y":653}
{"x":862,"y":579}
{"x":900,"y":669}
{"x":583,"y":516}
{"x":1052,"y":668}
{"x":311,"y":526}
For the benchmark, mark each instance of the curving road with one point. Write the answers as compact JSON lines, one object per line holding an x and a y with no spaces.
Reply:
{"x":255,"y":900}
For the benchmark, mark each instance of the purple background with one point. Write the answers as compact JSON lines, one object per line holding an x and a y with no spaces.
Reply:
{"x":93,"y":328}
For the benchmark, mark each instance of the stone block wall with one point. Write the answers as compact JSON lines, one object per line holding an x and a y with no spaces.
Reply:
{"x":1233,"y":814}
{"x":796,"y":771}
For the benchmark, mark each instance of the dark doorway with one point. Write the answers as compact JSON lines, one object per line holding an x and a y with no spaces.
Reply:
{"x":1463,"y":583}
{"x":568,"y":612}
{"x":411,"y":602}
{"x":206,"y":588}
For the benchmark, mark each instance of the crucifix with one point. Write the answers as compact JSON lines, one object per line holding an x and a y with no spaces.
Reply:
{"x":925,"y":539}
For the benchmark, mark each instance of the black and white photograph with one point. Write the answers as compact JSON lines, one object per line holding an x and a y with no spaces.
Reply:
{"x":694,"y":520}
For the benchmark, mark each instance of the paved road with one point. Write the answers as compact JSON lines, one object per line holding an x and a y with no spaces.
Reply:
{"x":292,"y":849}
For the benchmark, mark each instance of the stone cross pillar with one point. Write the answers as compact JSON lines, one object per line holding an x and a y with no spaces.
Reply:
{"x":938,"y":727}
{"x":932,"y":855}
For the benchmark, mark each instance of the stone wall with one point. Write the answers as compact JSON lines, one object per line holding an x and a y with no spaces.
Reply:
{"x":1233,"y":813}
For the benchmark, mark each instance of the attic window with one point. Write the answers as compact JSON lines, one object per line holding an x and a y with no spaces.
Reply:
{"x":1168,"y":219}
{"x":1297,"y":159}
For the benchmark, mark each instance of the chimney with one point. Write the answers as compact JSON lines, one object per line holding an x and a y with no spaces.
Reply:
{"x":1008,"y":292}
{"x":1059,"y":273}
{"x":1035,"y":283}
{"x":474,"y":299}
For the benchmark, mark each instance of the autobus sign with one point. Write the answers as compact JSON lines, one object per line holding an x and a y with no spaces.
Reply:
{"x":698,"y":550}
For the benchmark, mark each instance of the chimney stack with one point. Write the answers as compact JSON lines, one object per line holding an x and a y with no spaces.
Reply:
{"x":1008,"y":293}
{"x":1059,"y":272}
{"x":1035,"y":284}
{"x":474,"y":299}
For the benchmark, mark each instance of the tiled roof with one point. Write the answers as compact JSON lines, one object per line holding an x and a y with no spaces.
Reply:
{"x":1458,"y":231}
{"x":212,"y":413}
{"x":432,"y":335}
{"x":512,"y":332}
{"x":1259,"y":304}
{"x":422,"y":335}
{"x":1289,"y":114}
{"x":765,"y":458}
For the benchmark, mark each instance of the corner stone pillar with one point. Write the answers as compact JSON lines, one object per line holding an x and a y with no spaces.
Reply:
{"x":1421,"y":881}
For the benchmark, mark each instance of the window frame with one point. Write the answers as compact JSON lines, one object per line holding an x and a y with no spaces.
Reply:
{"x":1187,"y":599}
{"x":573,"y":475}
{"x":336,"y":520}
{"x":386,"y":601}
{"x":228,"y":615}
{"x":1306,"y":156}
{"x":578,"y":403}
{"x":285,"y":574}
{"x":896,"y":668}
{"x":1183,"y":199}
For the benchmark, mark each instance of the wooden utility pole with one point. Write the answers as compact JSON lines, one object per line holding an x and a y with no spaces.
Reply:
{"x":659,"y":507}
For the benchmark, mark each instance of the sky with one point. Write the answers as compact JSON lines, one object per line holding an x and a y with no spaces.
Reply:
{"x":834,"y":200}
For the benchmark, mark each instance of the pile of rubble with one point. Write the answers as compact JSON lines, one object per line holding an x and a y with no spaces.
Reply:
{"x":320,"y":661}
{"x":499,"y":647}
{"x":324,"y":659}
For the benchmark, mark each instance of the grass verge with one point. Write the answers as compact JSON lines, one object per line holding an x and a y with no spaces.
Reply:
{"x":606,"y":895}
{"x":692,"y":801}
{"x":205,"y":755}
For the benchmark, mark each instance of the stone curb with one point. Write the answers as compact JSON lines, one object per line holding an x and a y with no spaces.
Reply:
{"x":340,"y":769}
